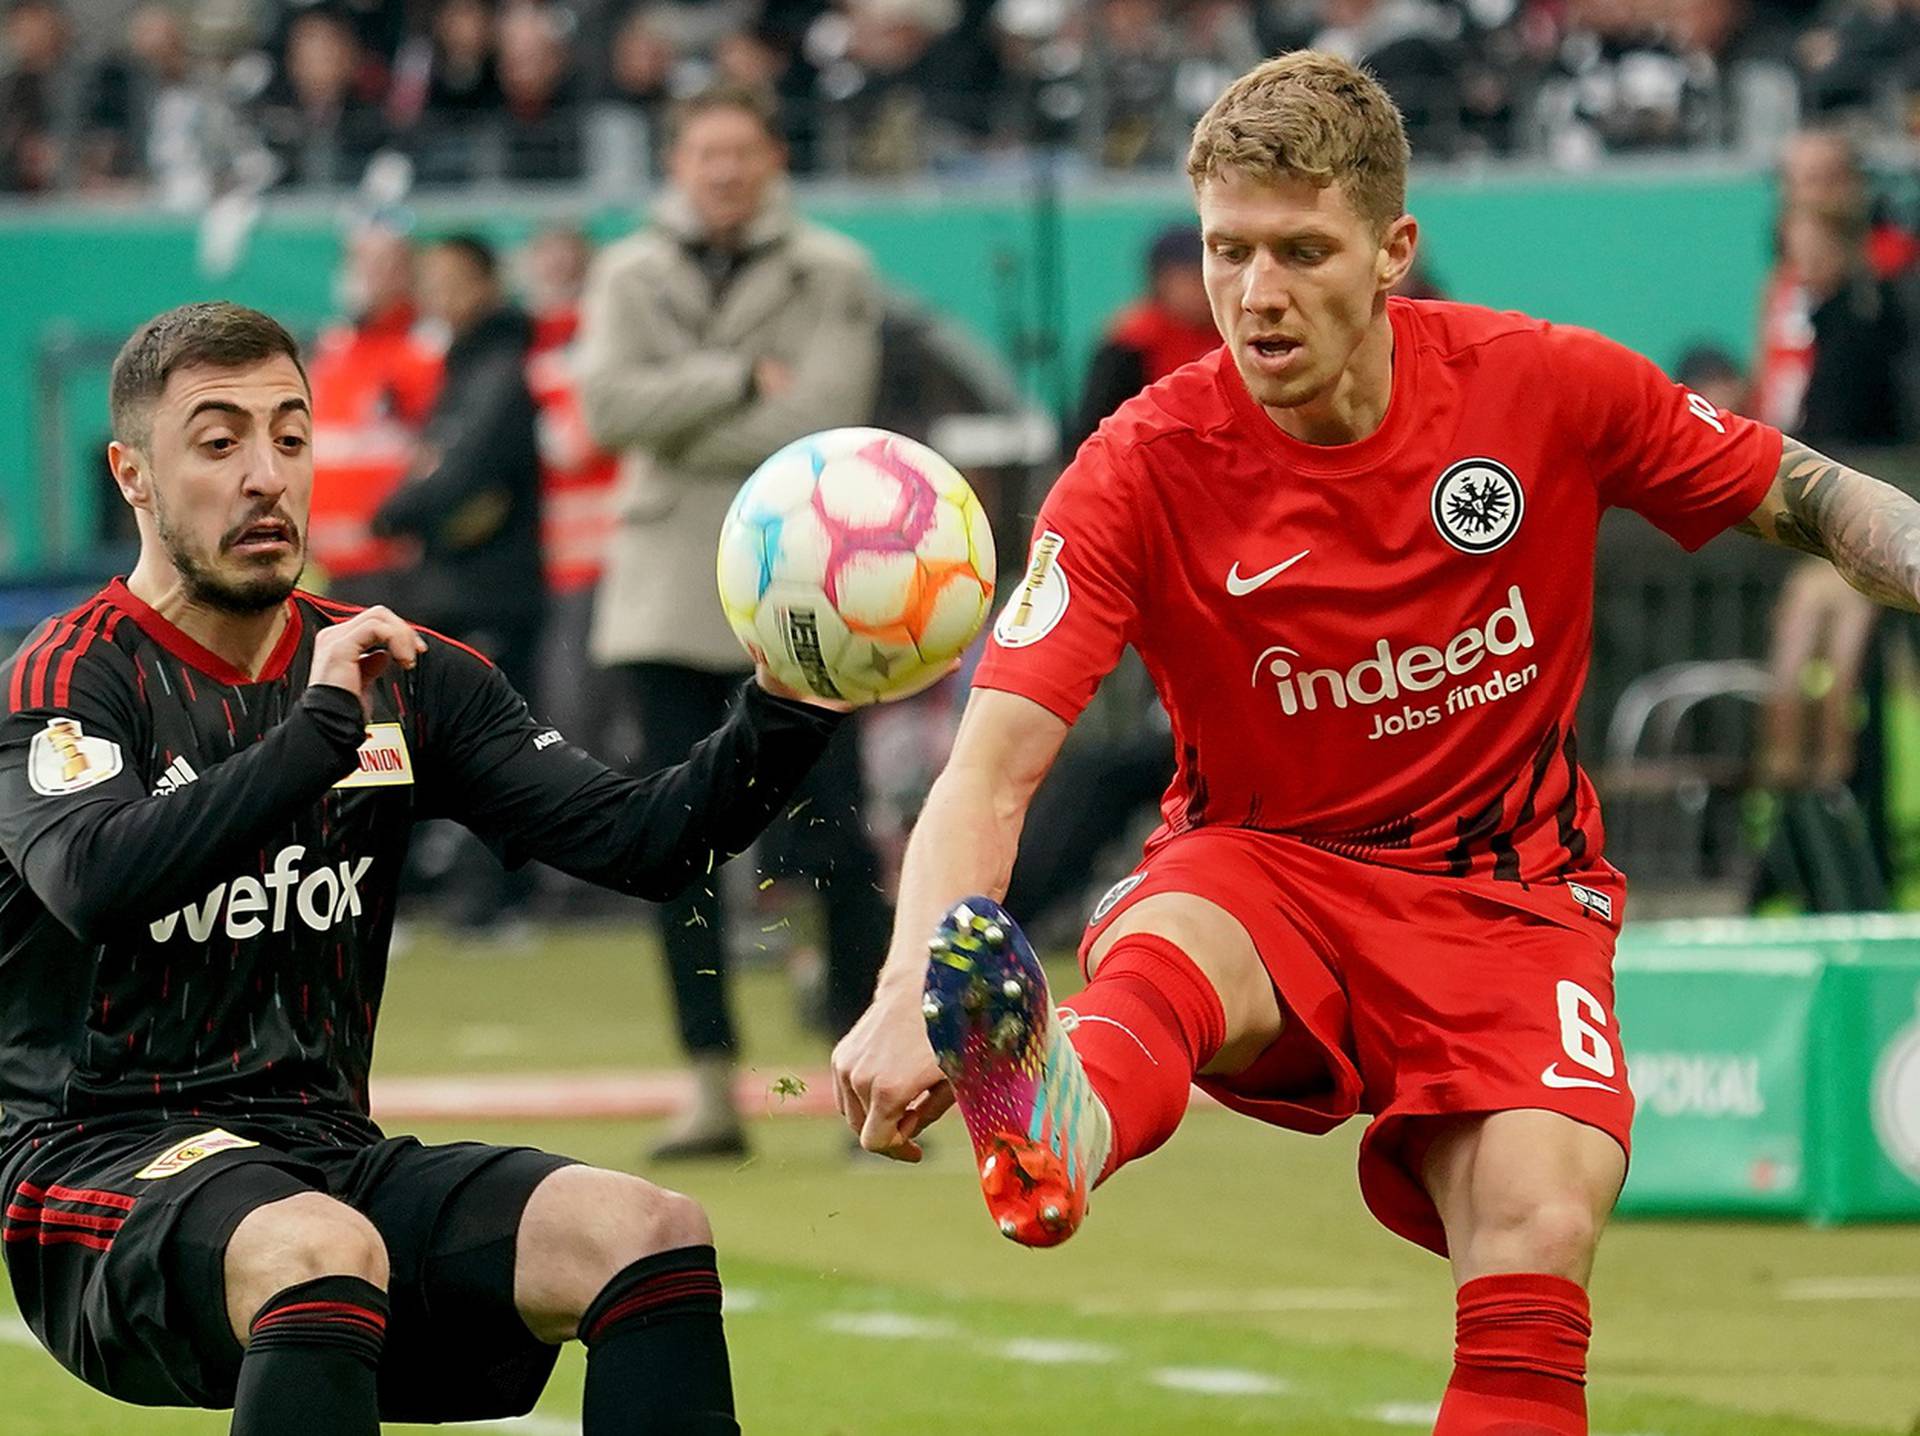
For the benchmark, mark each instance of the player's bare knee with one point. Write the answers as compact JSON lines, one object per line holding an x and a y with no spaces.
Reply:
{"x":613,"y":1219}
{"x":1213,"y":940}
{"x":1556,"y":1234}
{"x":295,"y":1240}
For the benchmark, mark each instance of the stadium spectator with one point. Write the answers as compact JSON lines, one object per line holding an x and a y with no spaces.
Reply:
{"x":723,"y":330}
{"x":1861,"y":56}
{"x":317,"y":119}
{"x":446,"y":86}
{"x":1713,"y":374}
{"x":1859,"y":332}
{"x":901,"y":85}
{"x":576,"y":488}
{"x":472,"y":503}
{"x":128,"y":88}
{"x":542,"y":116}
{"x":1172,"y":325}
{"x":1415,"y":49}
{"x":1620,"y":83}
{"x":375,"y":377}
{"x":38,"y":96}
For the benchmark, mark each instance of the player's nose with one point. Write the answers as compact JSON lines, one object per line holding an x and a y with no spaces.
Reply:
{"x":269,"y":469}
{"x":1265,"y":288}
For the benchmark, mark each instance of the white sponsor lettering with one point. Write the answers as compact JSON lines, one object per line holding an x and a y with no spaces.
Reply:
{"x":1386,"y":675}
{"x":1698,"y":1084}
{"x":546,"y":739}
{"x":251,"y":906}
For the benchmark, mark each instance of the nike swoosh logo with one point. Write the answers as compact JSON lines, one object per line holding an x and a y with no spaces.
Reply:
{"x":1240,"y":587}
{"x":1554,"y":1077}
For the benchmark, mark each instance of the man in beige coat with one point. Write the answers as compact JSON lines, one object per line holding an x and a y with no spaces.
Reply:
{"x":724,"y":329}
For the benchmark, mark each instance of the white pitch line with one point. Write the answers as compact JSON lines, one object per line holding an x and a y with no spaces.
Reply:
{"x":737,"y":1301}
{"x":1852,"y":1288}
{"x":889,"y":1325}
{"x":1217,"y":1381}
{"x":1404,"y":1413}
{"x":1275,"y":1299}
{"x":534,"y":1426}
{"x":1044,"y":1351}
{"x":13,"y":1332}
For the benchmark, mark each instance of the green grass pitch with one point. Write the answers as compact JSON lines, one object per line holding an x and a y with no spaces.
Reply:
{"x":1233,"y":1282}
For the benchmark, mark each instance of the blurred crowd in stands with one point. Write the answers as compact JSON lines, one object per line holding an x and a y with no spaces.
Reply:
{"x":203,"y":97}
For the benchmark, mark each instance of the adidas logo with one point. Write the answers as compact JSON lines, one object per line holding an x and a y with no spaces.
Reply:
{"x":179,"y":773}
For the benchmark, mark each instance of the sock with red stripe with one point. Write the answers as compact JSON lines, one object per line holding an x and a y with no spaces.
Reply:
{"x":656,"y":1352}
{"x":1146,"y":1023}
{"x":313,"y":1358}
{"x":1520,"y":1359}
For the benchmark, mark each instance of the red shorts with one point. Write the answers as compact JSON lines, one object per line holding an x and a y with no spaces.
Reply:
{"x":1408,"y":995}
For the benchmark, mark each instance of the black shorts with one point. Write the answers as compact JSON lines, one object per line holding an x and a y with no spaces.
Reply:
{"x":116,"y":1242}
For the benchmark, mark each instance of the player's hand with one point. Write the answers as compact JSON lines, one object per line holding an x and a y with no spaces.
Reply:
{"x":772,"y":377}
{"x":352,"y":655}
{"x":886,"y":1082}
{"x":764,"y":677}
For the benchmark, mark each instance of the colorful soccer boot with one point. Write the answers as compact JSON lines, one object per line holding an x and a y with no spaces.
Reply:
{"x":1040,"y":1134}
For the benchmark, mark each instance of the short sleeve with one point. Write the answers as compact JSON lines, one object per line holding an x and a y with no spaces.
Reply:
{"x":1658,"y":448}
{"x":1067,"y":621}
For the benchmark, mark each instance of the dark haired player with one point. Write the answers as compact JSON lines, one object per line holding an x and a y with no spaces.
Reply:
{"x":207,"y":778}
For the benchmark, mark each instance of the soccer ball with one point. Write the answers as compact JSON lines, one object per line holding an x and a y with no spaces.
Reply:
{"x":856,"y":563}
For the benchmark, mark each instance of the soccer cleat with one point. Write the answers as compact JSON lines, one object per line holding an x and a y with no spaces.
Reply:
{"x":1040,"y":1134}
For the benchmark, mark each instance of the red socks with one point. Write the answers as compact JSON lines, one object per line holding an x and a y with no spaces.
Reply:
{"x":1148,"y":1021}
{"x":1520,"y":1359}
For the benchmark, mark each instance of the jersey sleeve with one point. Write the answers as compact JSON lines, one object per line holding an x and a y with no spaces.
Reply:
{"x":76,"y":819}
{"x":1658,"y":448}
{"x":526,"y":790}
{"x":1075,"y":610}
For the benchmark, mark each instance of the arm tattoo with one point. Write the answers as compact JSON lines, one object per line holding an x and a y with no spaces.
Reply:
{"x":1868,"y":530}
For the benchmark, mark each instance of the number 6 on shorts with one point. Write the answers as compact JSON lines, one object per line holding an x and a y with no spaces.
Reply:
{"x":1582,"y":1028}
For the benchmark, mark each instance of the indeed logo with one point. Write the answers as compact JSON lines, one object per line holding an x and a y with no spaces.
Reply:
{"x":256,"y":905}
{"x":1387,"y":675}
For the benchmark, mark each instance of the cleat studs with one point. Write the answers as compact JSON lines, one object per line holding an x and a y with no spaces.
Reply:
{"x":1051,"y":1215}
{"x":994,"y":933}
{"x":938,"y":944}
{"x":986,"y":1167}
{"x":1012,"y":988}
{"x":962,"y":915}
{"x":930,"y":1009}
{"x":1008,"y":1227}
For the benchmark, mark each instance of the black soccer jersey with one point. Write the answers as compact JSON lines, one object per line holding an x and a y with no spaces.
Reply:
{"x":198,"y":867}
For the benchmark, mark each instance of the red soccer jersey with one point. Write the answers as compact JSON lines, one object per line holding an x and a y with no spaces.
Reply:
{"x":1377,"y":647}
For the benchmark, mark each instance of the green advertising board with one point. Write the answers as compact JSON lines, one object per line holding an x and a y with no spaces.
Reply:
{"x":1776,"y":1065}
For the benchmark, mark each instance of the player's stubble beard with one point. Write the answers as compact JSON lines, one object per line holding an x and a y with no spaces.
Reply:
{"x":260,"y":586}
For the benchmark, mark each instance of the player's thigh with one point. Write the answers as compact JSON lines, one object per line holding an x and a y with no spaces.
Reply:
{"x":116,"y":1250}
{"x":457,"y":1346}
{"x":1218,"y":944}
{"x":1465,"y":1006}
{"x":1521,"y":1190}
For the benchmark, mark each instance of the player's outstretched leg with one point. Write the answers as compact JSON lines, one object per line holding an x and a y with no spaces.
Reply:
{"x":1040,"y":1133}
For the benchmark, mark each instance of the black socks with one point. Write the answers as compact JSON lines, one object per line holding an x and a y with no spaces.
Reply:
{"x":313,"y":1356}
{"x":656,"y":1353}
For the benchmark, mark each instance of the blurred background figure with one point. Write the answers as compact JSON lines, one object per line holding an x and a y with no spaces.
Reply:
{"x":39,"y":96}
{"x":1171,"y":325}
{"x":576,"y":488}
{"x":543,"y":138}
{"x":472,"y":506}
{"x":1712,"y":373}
{"x":723,"y":330}
{"x":376,"y":374}
{"x":446,"y":91}
{"x":321,"y":117}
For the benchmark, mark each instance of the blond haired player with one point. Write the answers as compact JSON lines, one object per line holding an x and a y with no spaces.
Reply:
{"x":1355,"y":549}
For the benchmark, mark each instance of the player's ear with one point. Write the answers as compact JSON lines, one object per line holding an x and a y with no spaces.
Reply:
{"x":1395,"y":255}
{"x":131,"y":474}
